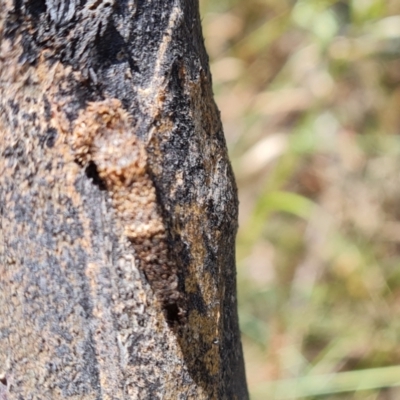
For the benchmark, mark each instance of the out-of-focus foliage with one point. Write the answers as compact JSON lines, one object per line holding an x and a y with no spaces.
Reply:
{"x":309,"y":92}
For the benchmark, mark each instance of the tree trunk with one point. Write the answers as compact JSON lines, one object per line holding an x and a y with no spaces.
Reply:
{"x":118,"y":206}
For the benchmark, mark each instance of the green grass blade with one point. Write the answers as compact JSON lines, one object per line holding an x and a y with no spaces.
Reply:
{"x":352,"y":381}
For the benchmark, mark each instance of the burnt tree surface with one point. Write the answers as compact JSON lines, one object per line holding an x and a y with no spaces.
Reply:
{"x":118,"y":206}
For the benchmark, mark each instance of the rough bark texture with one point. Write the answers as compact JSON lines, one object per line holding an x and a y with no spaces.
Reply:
{"x":118,"y":206}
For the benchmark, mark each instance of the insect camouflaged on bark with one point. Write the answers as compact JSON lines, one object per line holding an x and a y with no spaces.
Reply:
{"x":103,"y":135}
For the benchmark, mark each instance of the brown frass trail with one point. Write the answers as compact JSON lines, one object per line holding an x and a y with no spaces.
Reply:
{"x":103,"y":137}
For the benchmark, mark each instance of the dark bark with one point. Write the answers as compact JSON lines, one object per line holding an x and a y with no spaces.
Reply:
{"x":118,"y":206}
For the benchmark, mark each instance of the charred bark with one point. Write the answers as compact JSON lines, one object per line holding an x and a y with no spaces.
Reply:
{"x":118,"y":206}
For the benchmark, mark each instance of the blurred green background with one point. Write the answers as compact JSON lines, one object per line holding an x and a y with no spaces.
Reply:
{"x":309,"y":92}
